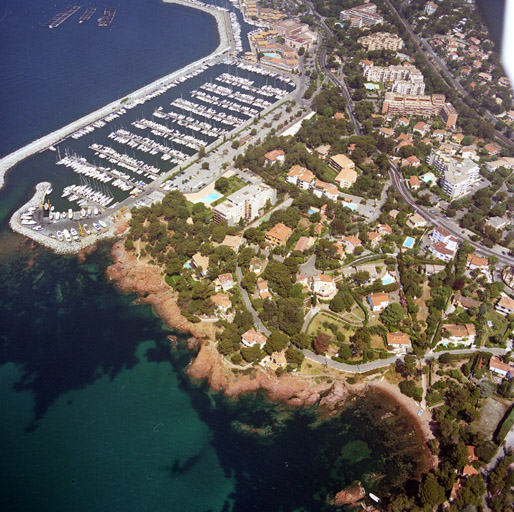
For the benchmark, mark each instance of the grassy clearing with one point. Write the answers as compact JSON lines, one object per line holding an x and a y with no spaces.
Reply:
{"x":236,"y":184}
{"x":316,"y":325}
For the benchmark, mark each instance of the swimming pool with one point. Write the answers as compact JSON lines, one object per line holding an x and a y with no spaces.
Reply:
{"x":213,"y":196}
{"x":187,"y":264}
{"x":349,"y":205}
{"x":273,"y":55}
{"x":409,"y":242}
{"x":369,"y":87}
{"x":387,"y":279}
{"x":310,"y":211}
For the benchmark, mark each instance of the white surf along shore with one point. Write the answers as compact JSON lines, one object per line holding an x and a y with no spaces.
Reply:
{"x":225,"y":44}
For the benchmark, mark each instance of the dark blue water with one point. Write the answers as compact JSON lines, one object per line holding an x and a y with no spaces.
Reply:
{"x":97,"y":411}
{"x":52,"y":77}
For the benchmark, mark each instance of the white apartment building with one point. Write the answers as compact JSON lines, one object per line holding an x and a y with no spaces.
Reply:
{"x":458,"y":175}
{"x":413,"y":86}
{"x":363,"y":15}
{"x":244,"y":204}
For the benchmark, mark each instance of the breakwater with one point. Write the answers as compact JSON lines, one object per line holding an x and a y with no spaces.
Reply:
{"x":224,"y":46}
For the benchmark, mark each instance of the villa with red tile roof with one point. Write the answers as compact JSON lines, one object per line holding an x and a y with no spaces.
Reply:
{"x":277,"y":155}
{"x":414,"y":182}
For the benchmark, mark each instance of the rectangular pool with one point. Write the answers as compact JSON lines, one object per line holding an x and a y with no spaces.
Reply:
{"x":349,"y":205}
{"x":213,"y":196}
{"x":409,"y":242}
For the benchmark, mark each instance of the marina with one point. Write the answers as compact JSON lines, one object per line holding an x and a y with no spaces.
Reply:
{"x":123,"y":158}
{"x":87,"y":15}
{"x":60,"y":18}
{"x":107,"y":18}
{"x":121,"y":155}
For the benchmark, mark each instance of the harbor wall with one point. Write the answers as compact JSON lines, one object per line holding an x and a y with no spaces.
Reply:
{"x":225,"y":43}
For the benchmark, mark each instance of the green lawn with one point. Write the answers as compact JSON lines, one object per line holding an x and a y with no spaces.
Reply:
{"x":236,"y":184}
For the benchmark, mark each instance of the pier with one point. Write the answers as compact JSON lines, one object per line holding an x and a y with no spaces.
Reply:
{"x":88,"y":13}
{"x":107,"y":18}
{"x":62,"y":16}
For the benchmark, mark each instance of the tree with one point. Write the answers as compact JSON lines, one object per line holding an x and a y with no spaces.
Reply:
{"x":336,"y":304}
{"x":277,"y":342}
{"x":301,"y":340}
{"x":431,"y":492}
{"x":294,"y":356}
{"x":322,"y":342}
{"x":222,"y":184}
{"x":408,"y":388}
{"x":345,"y":352}
{"x":251,"y":354}
{"x":392,"y":314}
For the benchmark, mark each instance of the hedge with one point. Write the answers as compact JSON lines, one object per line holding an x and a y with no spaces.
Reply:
{"x":506,"y":425}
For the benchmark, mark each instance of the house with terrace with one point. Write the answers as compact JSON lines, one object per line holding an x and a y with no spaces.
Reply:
{"x":253,"y":337}
{"x":323,"y":286}
{"x":378,"y":301}
{"x":398,"y":342}
{"x":460,"y":334}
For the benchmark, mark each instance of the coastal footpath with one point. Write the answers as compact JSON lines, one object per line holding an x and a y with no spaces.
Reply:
{"x":224,"y":46}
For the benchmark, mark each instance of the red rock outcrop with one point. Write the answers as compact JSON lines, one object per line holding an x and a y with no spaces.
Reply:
{"x":350,"y":496}
{"x":147,"y":281}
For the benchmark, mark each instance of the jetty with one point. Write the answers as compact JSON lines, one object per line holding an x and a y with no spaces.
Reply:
{"x":107,"y":18}
{"x":88,"y":13}
{"x":60,"y":18}
{"x":223,"y":49}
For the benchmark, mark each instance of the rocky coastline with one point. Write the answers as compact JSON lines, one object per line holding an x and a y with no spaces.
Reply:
{"x":134,"y":276}
{"x":330,"y":394}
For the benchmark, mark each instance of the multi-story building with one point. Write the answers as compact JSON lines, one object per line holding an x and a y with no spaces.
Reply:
{"x":389,"y":73}
{"x":323,"y":285}
{"x":505,"y":306}
{"x":430,"y":8}
{"x":381,"y":41}
{"x":295,"y":34}
{"x":321,"y":188}
{"x":458,"y":175}
{"x":300,"y":176}
{"x":244,"y":204}
{"x":363,"y":15}
{"x":449,"y":115}
{"x":414,"y":86}
{"x":421,"y":105}
{"x":278,"y":235}
{"x":305,"y":179}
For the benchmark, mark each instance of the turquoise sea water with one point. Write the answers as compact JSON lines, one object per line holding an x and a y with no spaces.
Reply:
{"x":97,"y":411}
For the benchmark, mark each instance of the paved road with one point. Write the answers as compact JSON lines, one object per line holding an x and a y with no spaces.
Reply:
{"x":423,"y":46}
{"x":382,"y":363}
{"x":248,"y":303}
{"x":310,"y":315}
{"x":309,"y":267}
{"x":339,"y":82}
{"x":448,"y":224}
{"x":350,"y":368}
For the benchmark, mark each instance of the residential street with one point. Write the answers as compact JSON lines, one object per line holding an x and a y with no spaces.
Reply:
{"x":246,"y":299}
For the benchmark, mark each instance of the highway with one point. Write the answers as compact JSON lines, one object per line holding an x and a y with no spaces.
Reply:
{"x":438,"y":219}
{"x":440,"y":67}
{"x":339,"y":82}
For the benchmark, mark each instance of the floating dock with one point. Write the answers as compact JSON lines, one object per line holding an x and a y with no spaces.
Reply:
{"x":62,"y":16}
{"x":86,"y":16}
{"x":107,"y":18}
